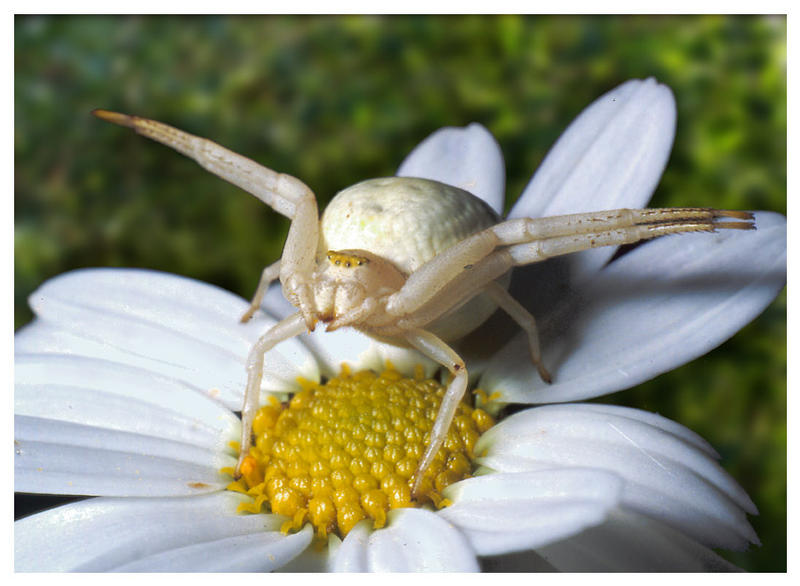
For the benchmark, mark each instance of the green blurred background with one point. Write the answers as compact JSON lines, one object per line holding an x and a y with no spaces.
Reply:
{"x":334,"y":100}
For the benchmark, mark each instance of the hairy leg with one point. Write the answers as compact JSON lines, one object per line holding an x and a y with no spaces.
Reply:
{"x":530,"y":240}
{"x":528,"y":229}
{"x":542,"y":249}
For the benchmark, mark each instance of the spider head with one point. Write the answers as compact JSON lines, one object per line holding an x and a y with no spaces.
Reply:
{"x":345,"y":284}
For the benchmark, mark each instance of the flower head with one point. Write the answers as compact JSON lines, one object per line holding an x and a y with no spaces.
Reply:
{"x":127,"y":383}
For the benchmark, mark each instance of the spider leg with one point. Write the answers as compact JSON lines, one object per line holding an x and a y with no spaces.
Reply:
{"x":616,"y":234}
{"x":530,"y":240}
{"x":285,"y":194}
{"x":524,"y":319}
{"x":425,"y":283}
{"x":268,"y":275}
{"x":461,"y":288}
{"x":283,"y":330}
{"x":469,"y":267}
{"x":526,"y":229}
{"x":280,"y":192}
{"x":431,"y":346}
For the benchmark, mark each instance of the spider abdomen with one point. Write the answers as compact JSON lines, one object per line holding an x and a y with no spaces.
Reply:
{"x":408,"y":221}
{"x":402,"y":219}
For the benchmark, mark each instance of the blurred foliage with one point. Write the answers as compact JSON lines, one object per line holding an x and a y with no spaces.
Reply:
{"x":334,"y":100}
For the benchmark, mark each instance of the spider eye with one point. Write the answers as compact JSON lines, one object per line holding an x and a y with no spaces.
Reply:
{"x":346,"y":259}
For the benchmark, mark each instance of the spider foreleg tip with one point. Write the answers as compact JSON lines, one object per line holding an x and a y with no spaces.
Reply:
{"x":114,"y":117}
{"x":733,"y":226}
{"x":748,"y":220}
{"x":738,"y":214}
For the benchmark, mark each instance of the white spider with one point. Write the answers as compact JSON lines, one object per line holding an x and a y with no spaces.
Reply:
{"x":413,"y":260}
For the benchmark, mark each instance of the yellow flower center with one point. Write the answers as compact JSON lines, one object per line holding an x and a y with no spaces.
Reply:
{"x":345,"y":451}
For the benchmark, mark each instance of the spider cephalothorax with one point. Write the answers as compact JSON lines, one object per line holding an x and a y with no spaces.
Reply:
{"x":413,"y":260}
{"x":348,"y":286}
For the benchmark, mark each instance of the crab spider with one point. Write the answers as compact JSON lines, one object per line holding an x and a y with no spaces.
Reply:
{"x":421,"y":298}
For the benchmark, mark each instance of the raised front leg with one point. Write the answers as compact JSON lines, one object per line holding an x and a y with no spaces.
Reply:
{"x":280,"y":192}
{"x":622,"y":227}
{"x":283,"y":193}
{"x":529,"y":240}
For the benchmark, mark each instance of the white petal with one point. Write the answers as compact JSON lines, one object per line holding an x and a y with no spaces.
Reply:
{"x":656,"y":308}
{"x":260,"y":551}
{"x":628,"y":542}
{"x":86,"y":426}
{"x":469,"y":158}
{"x":414,"y":540}
{"x":67,"y":388}
{"x":67,"y":458}
{"x":665,"y":477}
{"x":611,"y":156}
{"x":351,"y":554}
{"x":106,"y":534}
{"x":311,"y":559}
{"x":182,"y":328}
{"x":519,"y":423}
{"x":501,"y":513}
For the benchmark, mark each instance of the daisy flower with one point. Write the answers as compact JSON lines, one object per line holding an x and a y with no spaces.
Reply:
{"x":127,"y":383}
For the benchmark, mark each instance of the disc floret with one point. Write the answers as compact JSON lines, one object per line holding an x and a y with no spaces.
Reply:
{"x":345,"y":451}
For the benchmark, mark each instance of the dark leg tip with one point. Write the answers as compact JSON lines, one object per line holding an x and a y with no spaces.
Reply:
{"x":544,"y":374}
